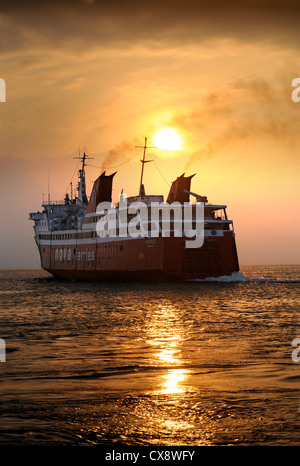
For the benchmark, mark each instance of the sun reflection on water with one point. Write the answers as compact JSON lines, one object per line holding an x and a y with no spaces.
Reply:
{"x":165,"y":333}
{"x":172,"y":382}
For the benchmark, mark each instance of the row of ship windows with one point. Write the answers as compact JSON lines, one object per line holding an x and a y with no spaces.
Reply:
{"x":93,"y":234}
{"x":114,"y":214}
{"x":106,"y":246}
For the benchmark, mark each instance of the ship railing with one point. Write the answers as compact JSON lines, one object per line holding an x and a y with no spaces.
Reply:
{"x":110,"y":215}
{"x":46,"y":203}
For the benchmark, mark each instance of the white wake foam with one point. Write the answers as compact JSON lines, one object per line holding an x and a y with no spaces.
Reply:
{"x":234,"y":277}
{"x":239,"y":277}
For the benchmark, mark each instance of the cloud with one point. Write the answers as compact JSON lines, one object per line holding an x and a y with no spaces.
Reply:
{"x":81,"y":23}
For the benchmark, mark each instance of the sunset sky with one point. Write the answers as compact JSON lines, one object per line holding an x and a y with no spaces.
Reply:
{"x":99,"y":76}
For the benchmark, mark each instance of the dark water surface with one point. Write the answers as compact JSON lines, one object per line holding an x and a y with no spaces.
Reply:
{"x":202,"y":363}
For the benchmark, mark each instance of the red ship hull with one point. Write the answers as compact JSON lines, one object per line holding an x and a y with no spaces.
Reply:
{"x":146,"y":259}
{"x":96,"y":240}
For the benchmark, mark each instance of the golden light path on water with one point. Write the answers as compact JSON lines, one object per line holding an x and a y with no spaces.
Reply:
{"x":166,"y":334}
{"x":144,"y":365}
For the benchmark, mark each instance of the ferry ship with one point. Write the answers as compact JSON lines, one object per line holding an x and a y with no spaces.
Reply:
{"x":72,"y":247}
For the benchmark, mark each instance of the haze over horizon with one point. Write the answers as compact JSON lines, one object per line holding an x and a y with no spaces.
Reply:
{"x":96,"y":76}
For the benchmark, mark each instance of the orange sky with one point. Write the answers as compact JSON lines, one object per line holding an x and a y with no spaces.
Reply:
{"x":100,"y":76}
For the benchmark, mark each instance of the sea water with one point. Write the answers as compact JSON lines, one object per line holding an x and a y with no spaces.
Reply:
{"x":200,"y":363}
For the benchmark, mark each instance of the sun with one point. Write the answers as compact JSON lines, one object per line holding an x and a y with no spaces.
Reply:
{"x":168,"y":139}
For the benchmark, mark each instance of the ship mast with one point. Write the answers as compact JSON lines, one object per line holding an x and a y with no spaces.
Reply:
{"x":82,"y":197}
{"x":145,"y":147}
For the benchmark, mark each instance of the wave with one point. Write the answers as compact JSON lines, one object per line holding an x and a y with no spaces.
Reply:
{"x":239,"y":277}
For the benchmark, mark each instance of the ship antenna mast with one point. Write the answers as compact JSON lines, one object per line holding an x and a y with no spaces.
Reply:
{"x":145,"y":147}
{"x":83,"y":159}
{"x":82,"y":197}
